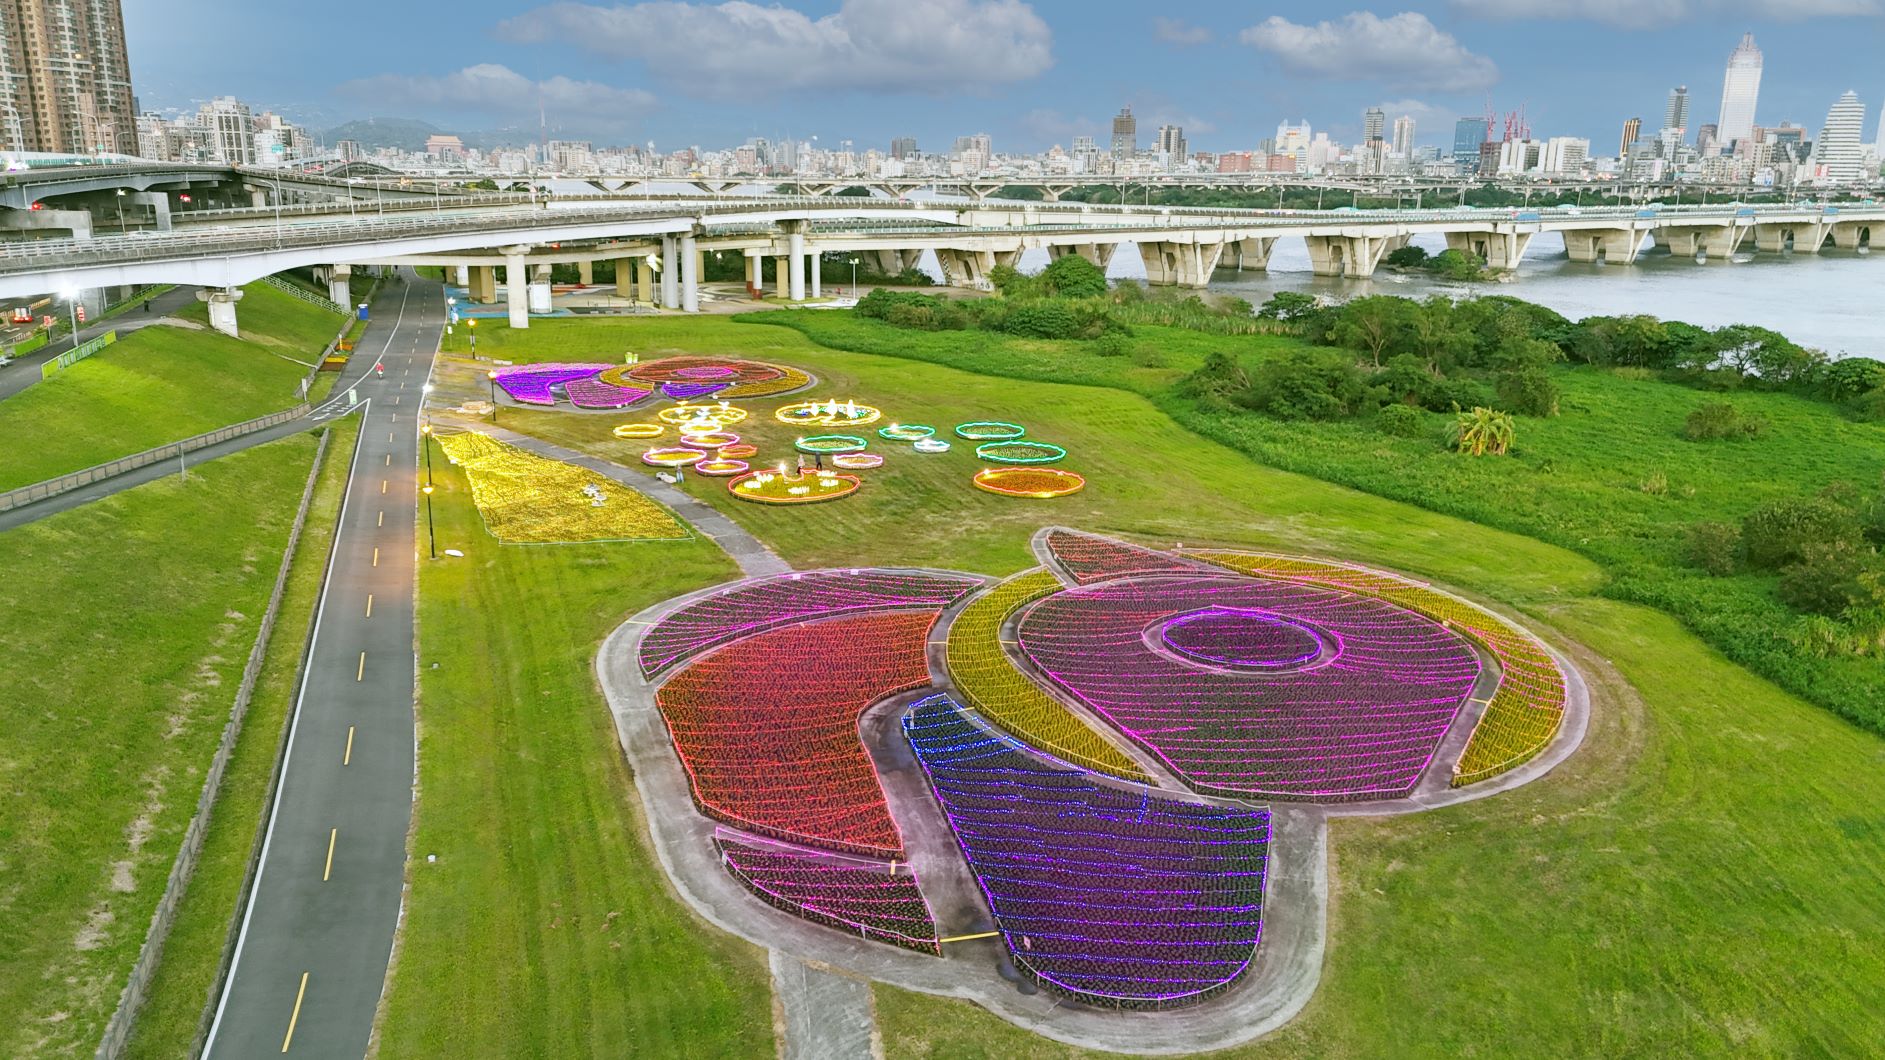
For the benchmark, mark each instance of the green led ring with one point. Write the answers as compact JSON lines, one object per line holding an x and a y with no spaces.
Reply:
{"x":990,"y":431}
{"x":905,"y":432}
{"x":1020,"y":452}
{"x":828,"y":444}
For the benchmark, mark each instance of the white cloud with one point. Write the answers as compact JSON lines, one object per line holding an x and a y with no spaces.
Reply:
{"x":1645,"y":14}
{"x":1179,"y":32}
{"x":1404,"y":50}
{"x":1052,"y":126}
{"x":1429,"y":121}
{"x":489,"y":88}
{"x":739,"y":50}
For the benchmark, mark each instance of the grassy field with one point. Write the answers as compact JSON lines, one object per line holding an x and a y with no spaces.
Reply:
{"x":1698,"y":881}
{"x":168,"y":1022}
{"x":159,"y":384}
{"x":127,"y":624}
{"x":546,"y":928}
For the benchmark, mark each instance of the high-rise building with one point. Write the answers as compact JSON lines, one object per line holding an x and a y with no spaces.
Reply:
{"x":1292,"y":140}
{"x":1838,"y":155}
{"x":1676,"y":114}
{"x":1468,"y":134}
{"x":228,"y":124}
{"x":1374,"y":124}
{"x":903,"y":148}
{"x":1404,"y":136}
{"x":1171,"y":142}
{"x":1125,"y":134}
{"x":1740,"y":89}
{"x":1632,"y":132}
{"x":65,"y":81}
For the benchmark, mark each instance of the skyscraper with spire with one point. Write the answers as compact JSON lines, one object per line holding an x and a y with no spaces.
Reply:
{"x":1740,"y":90}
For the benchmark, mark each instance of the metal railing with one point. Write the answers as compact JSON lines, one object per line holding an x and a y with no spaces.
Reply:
{"x":76,"y":354}
{"x":294,"y":290}
{"x":53,"y":487}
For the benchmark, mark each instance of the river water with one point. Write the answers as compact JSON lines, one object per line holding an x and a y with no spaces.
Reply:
{"x":1833,"y":301}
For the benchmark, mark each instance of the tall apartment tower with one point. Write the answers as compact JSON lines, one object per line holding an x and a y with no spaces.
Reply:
{"x":904,"y":148}
{"x":1125,"y":134}
{"x":1632,"y":132}
{"x":1374,"y":124}
{"x":1676,"y":114}
{"x":1838,"y":154}
{"x":65,"y":81}
{"x":1171,"y":142}
{"x":1740,"y":89}
{"x":1468,"y":135}
{"x":1404,"y":136}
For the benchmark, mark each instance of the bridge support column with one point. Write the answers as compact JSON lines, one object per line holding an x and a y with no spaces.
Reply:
{"x":755,"y":274}
{"x":540,"y":289}
{"x":645,"y":278}
{"x":1855,"y":235}
{"x":484,"y":284}
{"x":1254,"y":253}
{"x":670,"y":272}
{"x":781,"y":276}
{"x":1499,"y":250}
{"x":967,"y":268}
{"x":258,"y":198}
{"x":222,"y":308}
{"x":586,"y":273}
{"x":1352,"y":256}
{"x":1100,"y":254}
{"x":625,"y":278}
{"x":690,"y":274}
{"x":337,"y":287}
{"x":1617,"y":246}
{"x":1180,"y":264}
{"x":1805,"y":237}
{"x":159,"y":202}
{"x":795,"y":253}
{"x":815,"y":273}
{"x":461,"y":275}
{"x":517,"y":290}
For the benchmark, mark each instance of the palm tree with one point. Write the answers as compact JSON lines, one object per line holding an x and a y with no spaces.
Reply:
{"x":1483,"y":431}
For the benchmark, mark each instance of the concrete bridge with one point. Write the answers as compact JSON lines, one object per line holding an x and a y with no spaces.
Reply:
{"x":659,"y":241}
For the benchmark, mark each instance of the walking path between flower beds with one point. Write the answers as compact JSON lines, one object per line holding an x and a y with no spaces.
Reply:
{"x":754,"y":558}
{"x":1281,"y":980}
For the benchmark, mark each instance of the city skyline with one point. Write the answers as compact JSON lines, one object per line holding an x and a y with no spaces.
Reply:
{"x":1030,"y":75}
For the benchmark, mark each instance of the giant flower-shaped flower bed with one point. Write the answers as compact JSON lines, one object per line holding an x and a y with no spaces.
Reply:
{"x":601,"y":386}
{"x":528,"y":498}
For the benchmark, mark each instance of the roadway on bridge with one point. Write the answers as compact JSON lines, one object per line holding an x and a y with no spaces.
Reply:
{"x":312,"y":955}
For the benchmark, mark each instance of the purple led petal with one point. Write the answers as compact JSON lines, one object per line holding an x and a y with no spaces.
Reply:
{"x":1109,"y":893}
{"x":869,"y":899}
{"x":532,"y":383}
{"x":688,"y":391}
{"x":593,"y":393}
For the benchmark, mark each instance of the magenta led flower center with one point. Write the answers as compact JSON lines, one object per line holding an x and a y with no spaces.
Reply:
{"x":1241,"y":638}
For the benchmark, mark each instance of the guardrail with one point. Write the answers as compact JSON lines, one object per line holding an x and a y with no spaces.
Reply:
{"x":297,"y":291}
{"x":53,"y":487}
{"x":76,"y":354}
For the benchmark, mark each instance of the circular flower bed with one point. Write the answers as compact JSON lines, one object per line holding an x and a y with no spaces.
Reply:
{"x":906,"y":432}
{"x":709,"y":439}
{"x":857,"y":461}
{"x":778,"y":487}
{"x":1020,"y":452}
{"x":833,"y":413}
{"x":990,"y":431}
{"x":827,"y":444}
{"x":723,"y":414}
{"x":669,"y":456}
{"x":640,"y":430}
{"x":1039,"y":483}
{"x":720,"y":467}
{"x":738,"y":452}
{"x":931,"y":445}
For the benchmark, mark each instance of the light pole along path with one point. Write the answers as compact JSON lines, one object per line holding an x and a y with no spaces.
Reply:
{"x":311,"y":957}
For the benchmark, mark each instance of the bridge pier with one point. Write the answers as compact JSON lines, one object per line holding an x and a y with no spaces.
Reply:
{"x":159,"y":202}
{"x":540,"y":289}
{"x":1100,"y":254}
{"x":815,"y":274}
{"x":338,"y":289}
{"x":1805,"y":237}
{"x":1180,"y":264}
{"x":222,"y":308}
{"x":1713,"y":241}
{"x":1499,"y":250}
{"x":586,"y":273}
{"x":670,"y":272}
{"x":795,"y":256}
{"x":517,"y":289}
{"x":690,"y":274}
{"x":1252,"y":253}
{"x":1353,"y":256}
{"x":461,"y":275}
{"x":755,"y":274}
{"x":483,"y":286}
{"x":1854,"y":235}
{"x":971,"y":268}
{"x":1616,"y":246}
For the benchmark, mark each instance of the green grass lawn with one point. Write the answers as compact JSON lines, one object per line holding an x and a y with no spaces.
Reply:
{"x":1700,"y":880}
{"x":160,"y":384}
{"x":546,"y":927}
{"x":127,"y":624}
{"x":168,"y":1022}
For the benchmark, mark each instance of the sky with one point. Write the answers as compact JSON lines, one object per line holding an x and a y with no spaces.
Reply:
{"x":1030,"y":74}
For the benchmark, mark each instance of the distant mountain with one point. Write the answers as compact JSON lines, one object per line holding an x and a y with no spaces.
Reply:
{"x":405,"y":134}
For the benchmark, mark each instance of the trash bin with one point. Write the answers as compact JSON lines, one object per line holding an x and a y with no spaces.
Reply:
{"x":363,"y":310}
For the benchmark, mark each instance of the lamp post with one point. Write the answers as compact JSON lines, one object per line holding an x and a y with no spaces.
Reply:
{"x":121,"y":194}
{"x":425,"y":440}
{"x":491,"y":377}
{"x":431,"y":528}
{"x":471,"y":323}
{"x":72,"y":307}
{"x":854,"y":279}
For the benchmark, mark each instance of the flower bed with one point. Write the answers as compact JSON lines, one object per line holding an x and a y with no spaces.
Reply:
{"x":531,"y":383}
{"x":829,"y":413}
{"x":672,"y":456}
{"x":1112,"y":895}
{"x":1087,"y":558}
{"x":1032,"y":483}
{"x":778,"y":487}
{"x":592,"y":393}
{"x":990,"y":431}
{"x":728,"y":376}
{"x":768,"y":603}
{"x":1361,"y":723}
{"x":867,"y":900}
{"x":528,"y":498}
{"x":906,"y":432}
{"x":1020,"y":452}
{"x":767,"y":727}
{"x":989,"y":682}
{"x":828,"y":444}
{"x":1523,"y":715}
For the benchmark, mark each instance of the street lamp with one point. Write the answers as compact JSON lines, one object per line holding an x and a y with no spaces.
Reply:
{"x":71,"y":296}
{"x":425,"y":439}
{"x":472,"y":324}
{"x":121,"y":194}
{"x":853,"y":279}
{"x":431,"y":528}
{"x":491,"y":377}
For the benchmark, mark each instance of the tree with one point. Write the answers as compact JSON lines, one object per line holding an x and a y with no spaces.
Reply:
{"x":1851,"y":377}
{"x":1073,"y":276}
{"x":1778,"y":533}
{"x":1436,"y":336}
{"x":1527,"y":390}
{"x":1407,"y":257}
{"x":1219,"y":376}
{"x":1484,"y":432}
{"x":1306,"y":385}
{"x":1287,"y":307}
{"x":1371,"y":324}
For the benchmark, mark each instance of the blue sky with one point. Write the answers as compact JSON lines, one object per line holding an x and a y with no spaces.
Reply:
{"x":1031,"y":74}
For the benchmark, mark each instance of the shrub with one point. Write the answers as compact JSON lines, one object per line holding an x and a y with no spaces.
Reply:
{"x":1407,"y":257}
{"x":1448,"y":395}
{"x":1457,"y":265}
{"x":1288,"y":306}
{"x":1307,"y":385}
{"x":1826,"y":580}
{"x":1715,"y":547}
{"x":1778,"y":533}
{"x":1851,"y":377}
{"x":1220,"y":375}
{"x":1529,"y":391}
{"x":1044,"y":320}
{"x":1112,"y":344}
{"x":1401,"y":421}
{"x":1073,"y":277}
{"x":1483,"y":432}
{"x":1713,"y":420}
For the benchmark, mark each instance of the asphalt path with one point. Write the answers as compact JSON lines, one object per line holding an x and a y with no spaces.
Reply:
{"x":24,"y":371}
{"x":312,"y":955}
